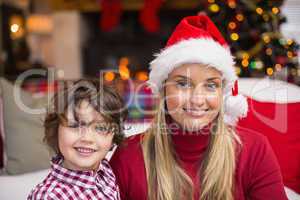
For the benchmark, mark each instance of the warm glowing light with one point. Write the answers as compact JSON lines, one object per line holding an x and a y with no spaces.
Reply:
{"x":232,"y":4}
{"x":239,"y":17}
{"x":41,"y":24}
{"x":14,"y":28}
{"x":266,"y":38}
{"x":275,"y":10}
{"x":211,"y":1}
{"x":270,"y":71}
{"x":142,"y":76}
{"x":289,"y":41}
{"x":234,"y":36}
{"x":124,"y":72}
{"x":109,"y":76}
{"x":124,"y":61}
{"x":290,"y":54}
{"x":245,"y":63}
{"x":237,"y":70}
{"x":259,"y":10}
{"x":214,"y":8}
{"x":232,"y":25}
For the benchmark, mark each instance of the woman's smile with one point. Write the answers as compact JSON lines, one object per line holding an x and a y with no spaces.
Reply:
{"x":197,"y":113}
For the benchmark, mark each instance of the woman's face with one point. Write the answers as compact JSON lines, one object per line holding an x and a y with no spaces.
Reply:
{"x":193,"y":95}
{"x":86,"y":141}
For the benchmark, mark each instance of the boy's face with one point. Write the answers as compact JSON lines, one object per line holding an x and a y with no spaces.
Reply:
{"x":85,"y":141}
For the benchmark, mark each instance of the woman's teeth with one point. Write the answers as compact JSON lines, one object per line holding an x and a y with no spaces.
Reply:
{"x":195,"y":112}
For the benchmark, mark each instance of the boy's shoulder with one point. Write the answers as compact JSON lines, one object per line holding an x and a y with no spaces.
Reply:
{"x":43,"y":190}
{"x":50,"y":188}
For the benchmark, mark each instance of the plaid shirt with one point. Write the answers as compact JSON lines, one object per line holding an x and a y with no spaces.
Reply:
{"x":65,"y":184}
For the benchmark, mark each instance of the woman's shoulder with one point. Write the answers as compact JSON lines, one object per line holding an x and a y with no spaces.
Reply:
{"x":132,"y":142}
{"x":250,"y":137}
{"x":254,"y":147}
{"x":130,"y":149}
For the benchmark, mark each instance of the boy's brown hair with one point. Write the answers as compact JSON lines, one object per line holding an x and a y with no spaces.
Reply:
{"x":103,"y":99}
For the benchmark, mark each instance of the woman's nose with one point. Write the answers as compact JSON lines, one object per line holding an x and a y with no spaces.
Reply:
{"x":197,"y":96}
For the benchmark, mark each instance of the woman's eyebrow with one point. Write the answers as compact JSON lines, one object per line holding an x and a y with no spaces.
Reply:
{"x":180,"y":77}
{"x":214,"y":78}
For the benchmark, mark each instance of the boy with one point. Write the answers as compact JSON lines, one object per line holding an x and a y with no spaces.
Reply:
{"x":84,"y":124}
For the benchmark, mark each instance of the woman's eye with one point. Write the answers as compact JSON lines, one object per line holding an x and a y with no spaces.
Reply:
{"x":212,"y":86}
{"x":184,"y":84}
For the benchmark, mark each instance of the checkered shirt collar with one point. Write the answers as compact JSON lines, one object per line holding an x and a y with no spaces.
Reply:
{"x":103,"y":178}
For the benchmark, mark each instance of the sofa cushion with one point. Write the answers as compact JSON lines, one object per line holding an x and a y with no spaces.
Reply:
{"x":23,"y":131}
{"x":279,"y":122}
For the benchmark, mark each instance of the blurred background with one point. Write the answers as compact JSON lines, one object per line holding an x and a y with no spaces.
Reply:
{"x":115,"y":40}
{"x":78,"y":38}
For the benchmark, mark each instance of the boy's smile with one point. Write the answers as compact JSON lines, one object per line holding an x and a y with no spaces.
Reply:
{"x":84,"y":146}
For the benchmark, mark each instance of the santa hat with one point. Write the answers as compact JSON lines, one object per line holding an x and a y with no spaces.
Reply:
{"x":196,"y":39}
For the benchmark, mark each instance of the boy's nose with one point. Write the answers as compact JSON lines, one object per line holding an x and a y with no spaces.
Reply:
{"x":85,"y":131}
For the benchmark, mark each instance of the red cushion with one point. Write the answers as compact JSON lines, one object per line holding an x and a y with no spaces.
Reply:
{"x":279,"y":122}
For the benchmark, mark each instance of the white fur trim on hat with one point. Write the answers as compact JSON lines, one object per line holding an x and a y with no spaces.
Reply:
{"x":204,"y":51}
{"x":235,"y":107}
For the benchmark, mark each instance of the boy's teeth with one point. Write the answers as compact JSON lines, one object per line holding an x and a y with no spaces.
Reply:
{"x":85,"y":150}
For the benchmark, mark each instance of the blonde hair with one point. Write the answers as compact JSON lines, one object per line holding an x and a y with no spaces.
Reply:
{"x":168,"y":181}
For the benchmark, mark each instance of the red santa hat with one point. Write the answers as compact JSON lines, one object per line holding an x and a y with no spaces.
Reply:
{"x":196,"y":39}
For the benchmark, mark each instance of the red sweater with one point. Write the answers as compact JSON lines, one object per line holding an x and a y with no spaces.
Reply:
{"x":257,"y":174}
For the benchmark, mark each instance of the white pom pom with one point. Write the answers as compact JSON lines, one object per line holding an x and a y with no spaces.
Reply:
{"x":235,"y":107}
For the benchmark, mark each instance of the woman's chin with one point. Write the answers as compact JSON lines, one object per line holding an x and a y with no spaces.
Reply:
{"x":194,"y":126}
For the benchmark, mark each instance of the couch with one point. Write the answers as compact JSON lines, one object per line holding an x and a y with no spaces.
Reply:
{"x":271,"y":103}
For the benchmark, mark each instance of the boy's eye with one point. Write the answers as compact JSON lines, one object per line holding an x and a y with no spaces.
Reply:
{"x":73,"y":125}
{"x":101,"y":128}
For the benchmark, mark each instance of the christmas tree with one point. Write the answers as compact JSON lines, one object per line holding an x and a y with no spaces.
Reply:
{"x":252,"y":29}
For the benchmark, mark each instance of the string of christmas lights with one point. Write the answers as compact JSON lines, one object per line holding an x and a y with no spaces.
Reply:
{"x":252,"y":29}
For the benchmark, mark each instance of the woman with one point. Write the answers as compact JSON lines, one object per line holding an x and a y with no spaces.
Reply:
{"x":192,"y":150}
